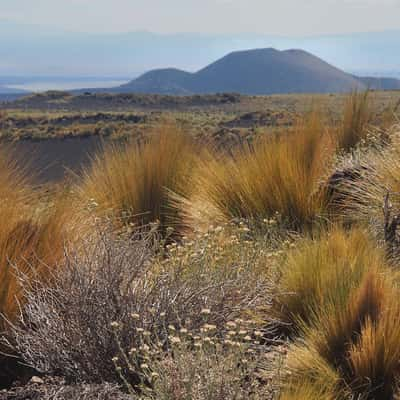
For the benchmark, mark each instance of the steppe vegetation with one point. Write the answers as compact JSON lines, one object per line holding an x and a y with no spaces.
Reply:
{"x":176,"y":268}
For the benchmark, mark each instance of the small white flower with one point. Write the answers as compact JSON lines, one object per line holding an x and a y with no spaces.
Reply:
{"x":145,"y":348}
{"x":174,"y":340}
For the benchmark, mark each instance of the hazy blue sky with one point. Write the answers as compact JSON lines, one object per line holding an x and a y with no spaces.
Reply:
{"x":285,"y":17}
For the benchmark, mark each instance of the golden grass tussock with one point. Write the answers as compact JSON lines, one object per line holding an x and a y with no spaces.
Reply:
{"x":323,"y":270}
{"x":309,"y":373}
{"x":359,"y":340}
{"x":15,"y":183}
{"x":357,"y":117}
{"x":276,"y":175}
{"x":340,"y":322}
{"x":31,"y":236}
{"x":390,"y":116}
{"x":309,"y":391}
{"x":15,"y":194}
{"x":137,"y":182}
{"x":374,"y":359}
{"x":32,"y":245}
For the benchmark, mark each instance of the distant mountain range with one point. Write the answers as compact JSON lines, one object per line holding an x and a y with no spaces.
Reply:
{"x":257,"y":72}
{"x":381,"y":83}
{"x":32,"y":50}
{"x":252,"y":72}
{"x":7,"y":90}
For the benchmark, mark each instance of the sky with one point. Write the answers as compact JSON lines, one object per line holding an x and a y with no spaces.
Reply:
{"x":277,"y":17}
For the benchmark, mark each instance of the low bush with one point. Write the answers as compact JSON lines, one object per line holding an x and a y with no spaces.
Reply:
{"x":373,"y":197}
{"x":68,"y":328}
{"x":204,"y":364}
{"x":53,"y":388}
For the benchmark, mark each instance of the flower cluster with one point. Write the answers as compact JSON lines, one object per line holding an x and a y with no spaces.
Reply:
{"x":231,"y":358}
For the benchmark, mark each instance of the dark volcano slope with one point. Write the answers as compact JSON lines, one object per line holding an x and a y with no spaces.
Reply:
{"x":252,"y":72}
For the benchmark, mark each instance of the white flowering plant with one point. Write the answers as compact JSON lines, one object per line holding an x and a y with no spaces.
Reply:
{"x":208,"y":363}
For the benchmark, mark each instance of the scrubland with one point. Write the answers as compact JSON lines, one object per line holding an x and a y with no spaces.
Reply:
{"x":174,"y":268}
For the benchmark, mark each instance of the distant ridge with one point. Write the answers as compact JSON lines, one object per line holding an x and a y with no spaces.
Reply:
{"x":381,"y":83}
{"x":257,"y":72}
{"x":252,"y":72}
{"x":7,"y":90}
{"x":161,"y":81}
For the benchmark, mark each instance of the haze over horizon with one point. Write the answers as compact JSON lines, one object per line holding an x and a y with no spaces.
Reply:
{"x":286,"y":17}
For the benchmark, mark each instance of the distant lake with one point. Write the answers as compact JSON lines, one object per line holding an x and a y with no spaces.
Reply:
{"x":66,"y":85}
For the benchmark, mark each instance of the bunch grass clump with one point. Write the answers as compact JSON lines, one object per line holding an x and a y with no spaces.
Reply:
{"x":32,"y":235}
{"x":308,"y":391}
{"x":33,"y":247}
{"x":357,"y":118}
{"x":275,"y":175}
{"x":358,"y":344}
{"x":322,"y":270}
{"x":135,"y":182}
